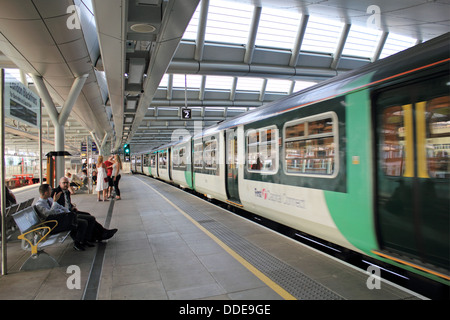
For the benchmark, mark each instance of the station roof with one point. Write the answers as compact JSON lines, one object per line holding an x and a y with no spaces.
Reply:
{"x":149,"y":59}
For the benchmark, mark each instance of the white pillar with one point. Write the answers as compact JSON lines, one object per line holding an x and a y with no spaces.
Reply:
{"x":59,"y":120}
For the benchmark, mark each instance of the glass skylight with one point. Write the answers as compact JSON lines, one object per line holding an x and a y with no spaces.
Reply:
{"x":164,"y":81}
{"x":277,"y":28}
{"x":14,"y":74}
{"x":191,"y":31}
{"x":228,"y":22}
{"x":249,"y":84}
{"x":361,"y":42}
{"x":321,"y":35}
{"x":219,"y":82}
{"x":396,"y":43}
{"x":193,"y":81}
{"x":278,"y":85}
{"x":300,"y":85}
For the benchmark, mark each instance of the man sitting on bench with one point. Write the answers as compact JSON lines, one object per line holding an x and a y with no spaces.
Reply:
{"x":100,"y":233}
{"x":81,"y":229}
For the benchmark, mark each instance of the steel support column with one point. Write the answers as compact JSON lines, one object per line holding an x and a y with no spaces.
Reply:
{"x":59,"y":120}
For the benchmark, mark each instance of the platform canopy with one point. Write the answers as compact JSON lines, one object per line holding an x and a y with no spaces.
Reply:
{"x":148,"y":60}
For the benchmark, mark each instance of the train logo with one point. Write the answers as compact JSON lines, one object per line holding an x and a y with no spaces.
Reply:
{"x":266,"y":194}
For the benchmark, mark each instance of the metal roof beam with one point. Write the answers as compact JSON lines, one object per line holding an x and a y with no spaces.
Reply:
{"x":240,"y":69}
{"x":205,"y":103}
{"x":380,"y":46}
{"x":201,"y":30}
{"x":340,"y":46}
{"x":250,"y":48}
{"x":298,"y":40}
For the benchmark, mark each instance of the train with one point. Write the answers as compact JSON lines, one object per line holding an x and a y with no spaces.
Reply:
{"x":361,"y":160}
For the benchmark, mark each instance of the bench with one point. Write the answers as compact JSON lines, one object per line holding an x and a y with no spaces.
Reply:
{"x":11,"y":228}
{"x":35,"y":236}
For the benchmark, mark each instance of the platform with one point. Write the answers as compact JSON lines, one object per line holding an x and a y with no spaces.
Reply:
{"x":172,"y":245}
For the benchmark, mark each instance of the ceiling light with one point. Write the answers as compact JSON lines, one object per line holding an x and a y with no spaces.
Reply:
{"x":143,"y":28}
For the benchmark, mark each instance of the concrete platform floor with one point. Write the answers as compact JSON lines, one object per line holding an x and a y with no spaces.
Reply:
{"x":160,"y":253}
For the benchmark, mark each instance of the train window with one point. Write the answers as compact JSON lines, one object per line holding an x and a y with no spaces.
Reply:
{"x":438,"y":137}
{"x":401,"y":154}
{"x":295,"y":131}
{"x":198,"y":155}
{"x":146,"y":162}
{"x":262,"y":150}
{"x":310,"y":145}
{"x":153,"y":160}
{"x":179,"y":157}
{"x":210,"y":154}
{"x":182,"y":157}
{"x":163,"y":159}
{"x":393,"y":131}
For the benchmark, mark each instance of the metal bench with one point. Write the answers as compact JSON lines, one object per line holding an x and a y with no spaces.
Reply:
{"x":35,"y":236}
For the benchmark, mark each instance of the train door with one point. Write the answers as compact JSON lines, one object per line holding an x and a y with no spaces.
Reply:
{"x":169,"y":162}
{"x":156,"y":163}
{"x":231,"y":165}
{"x":413,"y":169}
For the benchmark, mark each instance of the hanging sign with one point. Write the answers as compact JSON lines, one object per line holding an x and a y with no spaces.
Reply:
{"x":20,"y":102}
{"x":186,"y":113}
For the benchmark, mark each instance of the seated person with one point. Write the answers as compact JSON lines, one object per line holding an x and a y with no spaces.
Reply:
{"x":76,"y":180}
{"x":48,"y":209}
{"x":94,"y":177}
{"x":99,"y":233}
{"x":71,"y":184}
{"x":84,"y":177}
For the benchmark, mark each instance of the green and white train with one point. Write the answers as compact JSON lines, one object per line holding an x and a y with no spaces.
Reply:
{"x":361,"y":160}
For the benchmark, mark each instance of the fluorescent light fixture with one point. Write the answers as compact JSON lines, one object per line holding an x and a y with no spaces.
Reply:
{"x":131,"y":104}
{"x":143,"y":28}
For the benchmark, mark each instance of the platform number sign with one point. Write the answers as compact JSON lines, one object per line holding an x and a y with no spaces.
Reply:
{"x":186,"y":113}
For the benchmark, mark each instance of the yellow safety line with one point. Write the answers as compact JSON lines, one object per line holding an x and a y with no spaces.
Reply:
{"x":275,"y":287}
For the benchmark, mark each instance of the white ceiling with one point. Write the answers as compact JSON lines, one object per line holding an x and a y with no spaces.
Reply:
{"x":34,"y":36}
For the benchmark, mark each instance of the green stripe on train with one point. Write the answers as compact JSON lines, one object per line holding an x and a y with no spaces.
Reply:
{"x":188,"y":177}
{"x":352,"y":212}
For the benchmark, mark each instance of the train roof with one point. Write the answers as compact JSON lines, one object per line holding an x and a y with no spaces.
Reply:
{"x":434,"y":50}
{"x":184,"y":139}
{"x":428,"y":52}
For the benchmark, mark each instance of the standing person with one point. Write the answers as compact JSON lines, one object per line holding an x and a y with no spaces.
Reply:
{"x":102,"y":179}
{"x":117,"y":167}
{"x":109,"y":169}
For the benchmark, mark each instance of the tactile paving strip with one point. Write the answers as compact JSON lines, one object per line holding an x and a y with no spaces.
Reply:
{"x":290,"y":279}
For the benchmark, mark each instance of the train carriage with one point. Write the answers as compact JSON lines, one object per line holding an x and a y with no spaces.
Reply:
{"x":361,"y":160}
{"x":182,"y":174}
{"x":145,"y":169}
{"x":208,"y":164}
{"x":164,"y":163}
